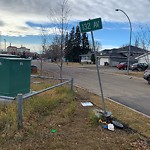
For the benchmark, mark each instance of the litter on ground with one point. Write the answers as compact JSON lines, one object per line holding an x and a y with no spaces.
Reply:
{"x":86,"y":104}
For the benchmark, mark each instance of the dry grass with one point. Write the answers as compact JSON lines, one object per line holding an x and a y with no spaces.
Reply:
{"x":128,"y":117}
{"x":131,"y":73}
{"x":56,"y":109}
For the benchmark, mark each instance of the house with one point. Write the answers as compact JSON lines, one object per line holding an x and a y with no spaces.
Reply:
{"x":22,"y":49}
{"x":145,"y":58}
{"x":112,"y":57}
{"x":12,"y":49}
{"x":86,"y":58}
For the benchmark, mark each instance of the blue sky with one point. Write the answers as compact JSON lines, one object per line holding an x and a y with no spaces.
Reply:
{"x":21,"y":20}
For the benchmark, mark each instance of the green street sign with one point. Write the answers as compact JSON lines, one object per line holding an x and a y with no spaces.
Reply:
{"x":90,"y":25}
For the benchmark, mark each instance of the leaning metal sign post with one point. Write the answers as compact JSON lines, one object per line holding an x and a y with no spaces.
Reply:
{"x":90,"y":26}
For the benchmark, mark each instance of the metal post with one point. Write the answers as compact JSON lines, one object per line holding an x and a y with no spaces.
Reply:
{"x":99,"y":78}
{"x":5,"y":44}
{"x":41,"y":65}
{"x":128,"y":64}
{"x":20,"y":99}
{"x":72,"y":86}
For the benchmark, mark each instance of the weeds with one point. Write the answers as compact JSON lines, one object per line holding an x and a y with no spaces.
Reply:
{"x":69,"y":111}
{"x":40,"y":105}
{"x":93,"y":118}
{"x":8,"y":116}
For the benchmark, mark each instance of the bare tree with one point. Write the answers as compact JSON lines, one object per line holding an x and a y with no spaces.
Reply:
{"x":43,"y":48}
{"x":55,"y":49}
{"x":143,"y":37}
{"x":60,"y":18}
{"x":98,"y":46}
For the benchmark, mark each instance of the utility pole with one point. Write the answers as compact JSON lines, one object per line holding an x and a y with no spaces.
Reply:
{"x":128,"y":64}
{"x":5,"y":44}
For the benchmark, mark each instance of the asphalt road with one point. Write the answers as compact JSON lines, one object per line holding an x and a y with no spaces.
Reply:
{"x":127,"y":90}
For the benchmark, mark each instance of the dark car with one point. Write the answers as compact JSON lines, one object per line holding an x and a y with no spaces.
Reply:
{"x":122,"y":65}
{"x":147,"y":75}
{"x":139,"y":67}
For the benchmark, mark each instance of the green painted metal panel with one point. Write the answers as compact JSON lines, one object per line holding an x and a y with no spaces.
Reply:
{"x":14,"y":76}
{"x":90,"y":25}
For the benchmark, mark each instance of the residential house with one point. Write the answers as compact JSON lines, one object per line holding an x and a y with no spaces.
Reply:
{"x":12,"y":49}
{"x":22,"y":49}
{"x":112,"y":57}
{"x":86,"y":58}
{"x":145,"y":58}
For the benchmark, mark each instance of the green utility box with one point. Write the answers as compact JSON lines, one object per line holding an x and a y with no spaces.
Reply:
{"x":14,"y":76}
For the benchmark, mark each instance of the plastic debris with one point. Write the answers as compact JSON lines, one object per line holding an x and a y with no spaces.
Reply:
{"x":105,"y":126}
{"x":98,"y":113}
{"x":117,"y":124}
{"x":37,"y":82}
{"x":111,"y":127}
{"x":86,"y":104}
{"x":53,"y":130}
{"x":104,"y":122}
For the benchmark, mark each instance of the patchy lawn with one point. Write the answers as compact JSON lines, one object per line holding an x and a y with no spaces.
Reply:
{"x":55,"y":120}
{"x":132,"y":73}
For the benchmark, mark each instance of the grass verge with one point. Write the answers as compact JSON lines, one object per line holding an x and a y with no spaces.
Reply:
{"x":76,"y":126}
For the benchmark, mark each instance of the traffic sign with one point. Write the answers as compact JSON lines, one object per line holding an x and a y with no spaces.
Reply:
{"x":90,"y":25}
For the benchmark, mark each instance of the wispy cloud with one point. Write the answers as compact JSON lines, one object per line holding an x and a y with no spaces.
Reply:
{"x":15,"y":13}
{"x":23,"y":18}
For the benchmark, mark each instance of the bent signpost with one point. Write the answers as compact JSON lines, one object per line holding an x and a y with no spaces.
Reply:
{"x":90,"y":26}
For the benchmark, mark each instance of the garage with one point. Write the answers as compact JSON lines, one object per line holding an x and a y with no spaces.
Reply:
{"x":103,"y":61}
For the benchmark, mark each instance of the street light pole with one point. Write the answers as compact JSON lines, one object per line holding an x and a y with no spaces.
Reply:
{"x":129,"y":41}
{"x":5,"y":44}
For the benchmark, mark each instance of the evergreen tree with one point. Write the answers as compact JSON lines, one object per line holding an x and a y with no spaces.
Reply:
{"x":77,"y":45}
{"x":77,"y":37}
{"x":85,"y":44}
{"x":70,"y":45}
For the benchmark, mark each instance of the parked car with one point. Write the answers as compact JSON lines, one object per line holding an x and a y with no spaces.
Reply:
{"x":122,"y":65}
{"x":147,"y":75}
{"x":139,"y":67}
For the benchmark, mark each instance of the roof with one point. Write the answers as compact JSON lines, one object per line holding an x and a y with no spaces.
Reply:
{"x":11,"y":47}
{"x":133,"y":49}
{"x":123,"y":50}
{"x":113,"y":54}
{"x":88,"y":54}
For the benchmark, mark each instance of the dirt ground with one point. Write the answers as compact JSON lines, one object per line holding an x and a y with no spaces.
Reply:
{"x":76,"y":132}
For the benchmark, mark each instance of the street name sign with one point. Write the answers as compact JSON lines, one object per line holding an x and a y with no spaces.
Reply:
{"x":90,"y":25}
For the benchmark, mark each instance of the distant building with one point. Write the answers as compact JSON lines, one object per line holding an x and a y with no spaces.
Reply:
{"x":22,"y":49}
{"x":12,"y":49}
{"x":86,"y":58}
{"x":112,"y":57}
{"x":22,"y":52}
